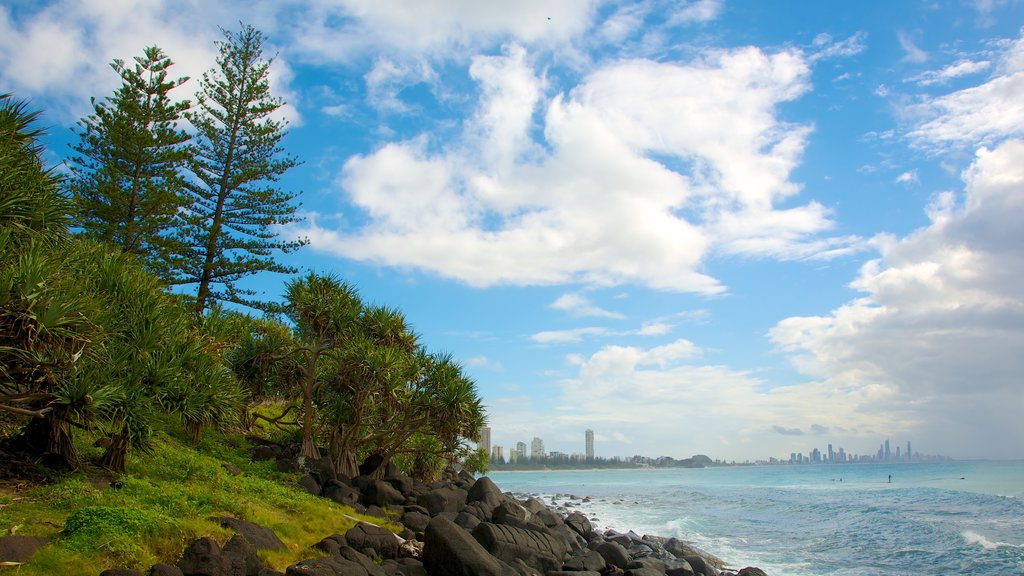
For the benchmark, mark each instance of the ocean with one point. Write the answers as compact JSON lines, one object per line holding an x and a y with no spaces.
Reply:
{"x":962,"y":517}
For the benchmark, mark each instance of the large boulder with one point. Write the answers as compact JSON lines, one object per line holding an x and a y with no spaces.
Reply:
{"x":751,"y":571}
{"x":580,"y":524}
{"x":363,"y":535}
{"x":352,"y":555}
{"x":450,"y":551}
{"x":341,"y":493}
{"x":614,"y":554}
{"x":444,"y":499}
{"x":415,"y":520}
{"x":682,"y":549}
{"x":701,"y":566}
{"x":382,"y":494}
{"x":165,"y":570}
{"x":585,"y":561}
{"x":19,"y":548}
{"x":242,"y":555}
{"x":486,"y":494}
{"x":326,"y":566}
{"x":261,"y":537}
{"x":538,"y":550}
{"x":203,"y":558}
{"x":121,"y":572}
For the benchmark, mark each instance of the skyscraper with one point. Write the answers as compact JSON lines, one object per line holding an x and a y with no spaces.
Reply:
{"x":831,"y":455}
{"x":909,"y":453}
{"x":521,"y":447}
{"x":485,"y":439}
{"x":590,"y":444}
{"x":537,"y":449}
{"x":888,"y":453}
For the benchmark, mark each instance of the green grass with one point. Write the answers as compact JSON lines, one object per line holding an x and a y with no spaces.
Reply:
{"x":163,"y":502}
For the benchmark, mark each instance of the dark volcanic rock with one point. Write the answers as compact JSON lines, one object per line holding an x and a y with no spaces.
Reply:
{"x":580,"y":524}
{"x":443,"y":499}
{"x":121,"y":572}
{"x":365,"y":535}
{"x":352,"y":555}
{"x":203,"y":558}
{"x":700,"y":566}
{"x":261,"y":537}
{"x":751,"y":571}
{"x":331,"y":544}
{"x":614,"y":554}
{"x":326,"y":566}
{"x":19,"y":548}
{"x":382,"y":494}
{"x":450,"y":551}
{"x":309,"y":484}
{"x":586,"y":561}
{"x":510,"y":513}
{"x":467,"y":520}
{"x":538,"y":550}
{"x":415,"y":521}
{"x":242,"y":555}
{"x":341,"y":493}
{"x":165,"y":570}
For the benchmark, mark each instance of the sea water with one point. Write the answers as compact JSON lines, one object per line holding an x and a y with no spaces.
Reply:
{"x":812,"y":520}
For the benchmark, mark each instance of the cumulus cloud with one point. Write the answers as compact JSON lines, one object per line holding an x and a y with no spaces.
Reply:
{"x":933,"y":343}
{"x":574,"y":335}
{"x":644,"y":168}
{"x":580,"y":305}
{"x":663,"y":396}
{"x":979,"y":115}
{"x":956,"y":70}
{"x":346,"y":30}
{"x":908,"y":177}
{"x":63,"y":49}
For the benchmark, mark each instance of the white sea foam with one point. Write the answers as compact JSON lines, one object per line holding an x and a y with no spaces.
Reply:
{"x":977,"y":539}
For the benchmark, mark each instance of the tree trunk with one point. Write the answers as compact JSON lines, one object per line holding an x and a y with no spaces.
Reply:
{"x":52,"y":434}
{"x":116,"y":455}
{"x":194,"y":429}
{"x":345,"y":463}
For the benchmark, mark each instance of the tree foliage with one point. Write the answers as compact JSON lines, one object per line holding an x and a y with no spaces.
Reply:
{"x":127,"y":178}
{"x":229,"y":232}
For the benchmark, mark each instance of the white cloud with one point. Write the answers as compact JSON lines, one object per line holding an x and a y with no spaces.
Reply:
{"x":346,"y":30}
{"x":980,"y":115}
{"x":956,"y":70}
{"x":933,"y":345}
{"x":589,"y":203}
{"x":646,"y":394}
{"x":909,"y":177}
{"x":574,"y":335}
{"x":580,"y":305}
{"x":825,"y":47}
{"x":568,"y":336}
{"x":912,"y":52}
{"x":62,"y":49}
{"x":696,"y":11}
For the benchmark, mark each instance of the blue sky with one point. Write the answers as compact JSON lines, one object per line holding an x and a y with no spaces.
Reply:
{"x":742,"y":229}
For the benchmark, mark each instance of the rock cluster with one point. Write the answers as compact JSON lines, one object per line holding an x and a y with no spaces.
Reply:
{"x":460,"y":526}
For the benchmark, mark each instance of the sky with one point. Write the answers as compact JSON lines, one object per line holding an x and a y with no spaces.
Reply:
{"x":723,"y":227}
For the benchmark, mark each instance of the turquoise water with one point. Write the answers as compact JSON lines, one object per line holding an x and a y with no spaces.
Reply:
{"x":843,"y":519}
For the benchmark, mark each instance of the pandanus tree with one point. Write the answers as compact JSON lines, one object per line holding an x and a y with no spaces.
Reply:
{"x":431,"y":419}
{"x":373,"y":372}
{"x":323,"y":311}
{"x":43,"y":330}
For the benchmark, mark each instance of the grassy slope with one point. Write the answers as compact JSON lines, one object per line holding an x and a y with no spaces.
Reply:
{"x":162,"y":503}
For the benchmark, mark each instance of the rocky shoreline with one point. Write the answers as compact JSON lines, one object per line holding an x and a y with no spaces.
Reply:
{"x":458,"y":526}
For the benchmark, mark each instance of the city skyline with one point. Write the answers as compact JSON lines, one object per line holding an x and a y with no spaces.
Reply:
{"x":831,"y":455}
